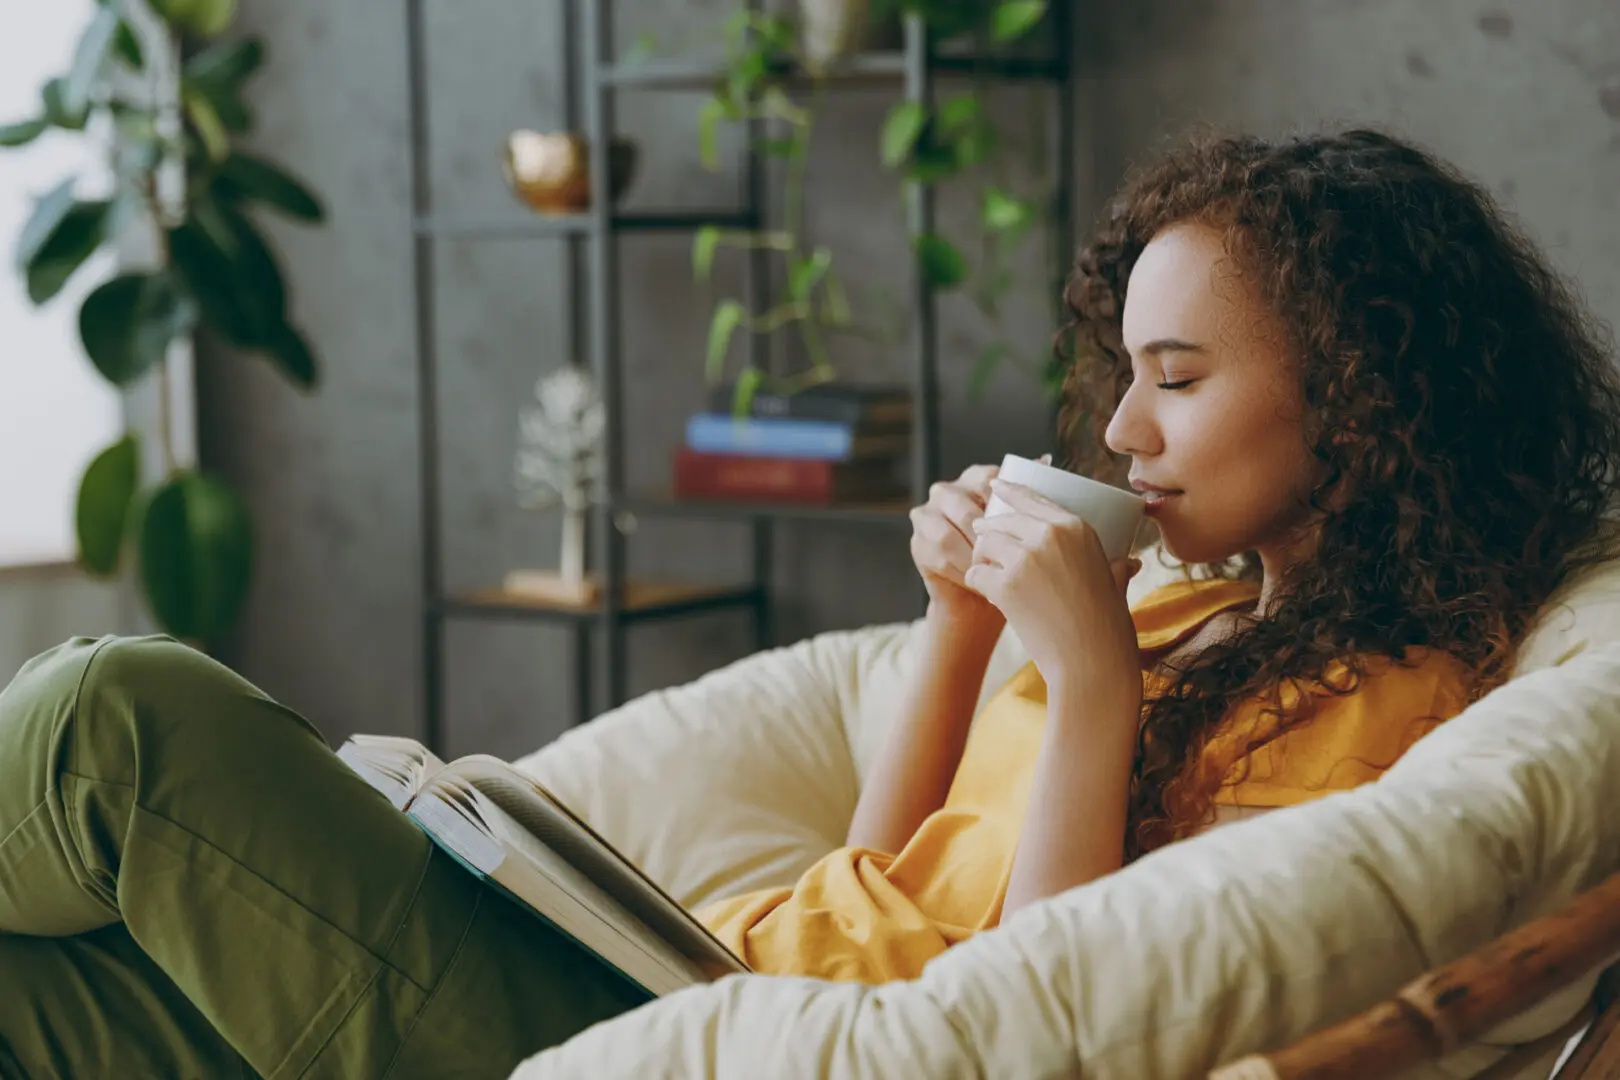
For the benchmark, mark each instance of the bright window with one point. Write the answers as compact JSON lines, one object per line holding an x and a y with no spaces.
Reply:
{"x":56,"y":412}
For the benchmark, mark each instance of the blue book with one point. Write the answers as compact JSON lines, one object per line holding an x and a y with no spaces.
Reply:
{"x":819,"y":440}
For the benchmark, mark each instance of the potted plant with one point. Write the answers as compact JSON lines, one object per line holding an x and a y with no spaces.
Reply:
{"x":154,"y":76}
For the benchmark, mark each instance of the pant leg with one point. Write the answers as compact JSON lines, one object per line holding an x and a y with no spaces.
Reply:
{"x":127,"y":1018}
{"x":317,"y":931}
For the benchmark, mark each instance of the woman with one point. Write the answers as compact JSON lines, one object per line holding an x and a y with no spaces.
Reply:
{"x":1327,"y":359}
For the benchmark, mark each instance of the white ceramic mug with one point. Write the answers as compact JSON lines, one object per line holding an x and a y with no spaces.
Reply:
{"x":1114,"y":514}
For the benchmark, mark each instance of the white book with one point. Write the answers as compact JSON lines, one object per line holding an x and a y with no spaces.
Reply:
{"x":507,"y":829}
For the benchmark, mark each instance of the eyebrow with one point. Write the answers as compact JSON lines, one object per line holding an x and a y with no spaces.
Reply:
{"x":1168,"y":345}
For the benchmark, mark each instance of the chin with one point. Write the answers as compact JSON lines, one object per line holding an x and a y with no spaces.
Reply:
{"x":1192,"y":547}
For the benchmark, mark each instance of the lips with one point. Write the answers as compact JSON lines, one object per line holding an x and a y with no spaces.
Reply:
{"x":1154,"y":496}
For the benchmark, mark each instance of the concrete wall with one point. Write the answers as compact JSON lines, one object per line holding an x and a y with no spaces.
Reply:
{"x":1525,"y":95}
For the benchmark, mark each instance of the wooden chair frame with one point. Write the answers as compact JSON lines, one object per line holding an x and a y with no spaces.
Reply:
{"x":1462,"y":1001}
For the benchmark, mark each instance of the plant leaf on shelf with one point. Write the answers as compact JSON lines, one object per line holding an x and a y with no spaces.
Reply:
{"x":807,"y":273}
{"x":1005,"y":213}
{"x":728,"y":315}
{"x":1012,"y":19}
{"x":74,"y":239}
{"x":748,"y":382}
{"x":127,"y":324}
{"x":101,"y":511}
{"x":942,"y":265}
{"x":196,"y":555}
{"x":703,"y":249}
{"x":709,"y":117}
{"x":251,"y":177}
{"x":901,"y":130}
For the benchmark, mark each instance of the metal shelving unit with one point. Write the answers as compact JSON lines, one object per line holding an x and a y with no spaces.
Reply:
{"x":589,"y":64}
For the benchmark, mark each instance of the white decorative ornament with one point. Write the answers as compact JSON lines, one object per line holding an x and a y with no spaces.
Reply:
{"x":559,"y":463}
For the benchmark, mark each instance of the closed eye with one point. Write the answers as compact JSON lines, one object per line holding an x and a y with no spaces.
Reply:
{"x":1179,"y":384}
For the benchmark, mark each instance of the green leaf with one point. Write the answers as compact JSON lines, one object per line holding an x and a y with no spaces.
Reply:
{"x":54,"y":96}
{"x":709,"y":118}
{"x":196,"y":556}
{"x":836,"y":310}
{"x":984,"y":368}
{"x":728,"y":315}
{"x":23,"y":132}
{"x":782,"y":148}
{"x":942,"y":265}
{"x":703,"y":249}
{"x":931,"y":163}
{"x":204,"y":18}
{"x":1004,"y":213}
{"x":76,"y":237}
{"x":127,"y":47}
{"x":959,"y":112}
{"x":49,"y":210}
{"x":101,"y":515}
{"x":210,"y":128}
{"x":257,"y":179}
{"x":290,"y":352}
{"x":807,"y":273}
{"x":225,"y":63}
{"x":127,"y":323}
{"x":90,"y":60}
{"x":1012,"y":19}
{"x":900,"y":131}
{"x":742,"y":397}
{"x":228,"y":267}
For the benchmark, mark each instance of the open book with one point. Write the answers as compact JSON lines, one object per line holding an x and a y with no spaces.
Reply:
{"x":509,"y":830}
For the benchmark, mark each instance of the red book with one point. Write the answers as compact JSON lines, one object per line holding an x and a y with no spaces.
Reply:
{"x":769,"y":479}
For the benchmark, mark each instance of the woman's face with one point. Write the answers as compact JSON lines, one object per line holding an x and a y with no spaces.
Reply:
{"x":1213,"y":418}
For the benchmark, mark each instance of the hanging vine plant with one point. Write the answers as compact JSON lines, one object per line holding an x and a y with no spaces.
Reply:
{"x":152,"y":80}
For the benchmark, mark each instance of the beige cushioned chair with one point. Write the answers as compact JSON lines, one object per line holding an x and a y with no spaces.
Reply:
{"x":1239,"y":941}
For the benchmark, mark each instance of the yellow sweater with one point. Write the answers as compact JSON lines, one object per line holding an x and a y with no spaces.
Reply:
{"x":873,"y":917}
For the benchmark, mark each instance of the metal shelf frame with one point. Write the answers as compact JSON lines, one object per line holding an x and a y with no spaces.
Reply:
{"x":592,"y":77}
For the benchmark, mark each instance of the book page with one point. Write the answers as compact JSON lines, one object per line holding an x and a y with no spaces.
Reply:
{"x":397,"y":767}
{"x":538,"y":811}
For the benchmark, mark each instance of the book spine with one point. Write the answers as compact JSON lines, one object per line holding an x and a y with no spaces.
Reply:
{"x":718,"y":476}
{"x":781,"y":438}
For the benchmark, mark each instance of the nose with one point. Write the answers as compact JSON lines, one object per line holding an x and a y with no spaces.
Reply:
{"x":1132,"y":430}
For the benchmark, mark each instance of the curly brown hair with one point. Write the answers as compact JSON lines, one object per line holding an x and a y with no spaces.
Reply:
{"x":1459,"y":397}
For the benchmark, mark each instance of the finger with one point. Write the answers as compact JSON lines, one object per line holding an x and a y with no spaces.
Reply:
{"x":1021,"y":527}
{"x":978,"y":475}
{"x":997,"y":549}
{"x":1045,"y":459}
{"x":1124,"y":570}
{"x":1030,"y":502}
{"x":955,"y":506}
{"x":986,"y":580}
{"x":940,"y":547}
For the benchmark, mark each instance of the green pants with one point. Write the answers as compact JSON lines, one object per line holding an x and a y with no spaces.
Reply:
{"x":192,"y":885}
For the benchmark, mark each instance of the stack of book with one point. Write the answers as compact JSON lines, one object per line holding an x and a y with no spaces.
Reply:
{"x":828,"y":444}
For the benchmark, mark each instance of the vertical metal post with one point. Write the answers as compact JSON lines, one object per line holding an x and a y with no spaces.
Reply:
{"x":1063,"y":204}
{"x":432,"y":626}
{"x":760,"y":295}
{"x":574,"y":267}
{"x":925,"y":331}
{"x":604,"y":335}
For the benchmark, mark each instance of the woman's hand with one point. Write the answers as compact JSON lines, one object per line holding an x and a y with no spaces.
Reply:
{"x":1044,"y":569}
{"x":942,"y":537}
